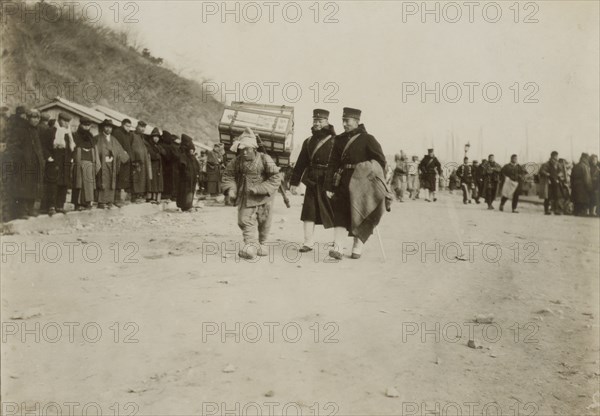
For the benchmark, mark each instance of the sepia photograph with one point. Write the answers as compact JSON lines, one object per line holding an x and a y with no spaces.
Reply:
{"x":300,"y":208}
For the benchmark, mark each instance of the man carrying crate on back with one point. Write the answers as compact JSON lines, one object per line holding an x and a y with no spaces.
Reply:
{"x":252,"y":179}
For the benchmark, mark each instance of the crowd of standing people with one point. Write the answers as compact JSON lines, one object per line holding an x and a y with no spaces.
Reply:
{"x":42,"y":159}
{"x":564,"y":188}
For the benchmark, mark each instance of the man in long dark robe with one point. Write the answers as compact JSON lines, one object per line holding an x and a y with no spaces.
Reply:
{"x":549,"y":185}
{"x":581,"y":186}
{"x":58,"y":146}
{"x":189,"y":170}
{"x":170,"y":160}
{"x":155,"y":180}
{"x":311,"y":168}
{"x":352,"y":147}
{"x":86,"y":164}
{"x":124,"y":137}
{"x":24,"y":169}
{"x":139,"y":164}
{"x":112,"y":156}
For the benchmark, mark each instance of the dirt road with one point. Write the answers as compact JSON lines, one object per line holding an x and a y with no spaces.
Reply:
{"x":149,"y":312}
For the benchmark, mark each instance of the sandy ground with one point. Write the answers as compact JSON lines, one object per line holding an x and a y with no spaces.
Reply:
{"x":151,"y":313}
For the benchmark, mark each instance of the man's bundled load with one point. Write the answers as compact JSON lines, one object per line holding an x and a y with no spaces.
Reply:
{"x":274,"y":125}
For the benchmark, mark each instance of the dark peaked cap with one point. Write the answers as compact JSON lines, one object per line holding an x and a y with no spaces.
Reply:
{"x":351,"y":113}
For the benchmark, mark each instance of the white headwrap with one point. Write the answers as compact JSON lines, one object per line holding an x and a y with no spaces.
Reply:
{"x":59,"y":138}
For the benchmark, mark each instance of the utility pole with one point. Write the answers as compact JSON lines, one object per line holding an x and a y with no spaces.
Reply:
{"x":527,"y":145}
{"x":480,"y":142}
{"x":572,"y":154}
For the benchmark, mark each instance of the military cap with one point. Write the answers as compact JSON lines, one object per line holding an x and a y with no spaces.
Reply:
{"x":85,"y":120}
{"x":142,"y":123}
{"x":430,"y":150}
{"x":320,"y":113}
{"x":125,"y":120}
{"x":351,"y":113}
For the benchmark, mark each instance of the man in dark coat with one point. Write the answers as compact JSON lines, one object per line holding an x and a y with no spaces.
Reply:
{"x":465,"y":174}
{"x":350,"y":148}
{"x":124,"y":137}
{"x":156,"y":152}
{"x":581,"y":186}
{"x":430,"y":168}
{"x":18,"y":119}
{"x":491,"y":177}
{"x":58,"y":146}
{"x":595,"y":193}
{"x":311,"y":169}
{"x":202,"y":159}
{"x":399,"y":176}
{"x":553,"y":186}
{"x":214,"y":166}
{"x":5,"y":202}
{"x":43,"y":124}
{"x":139,"y":164}
{"x":176,"y":149}
{"x":189,"y":169}
{"x":112,"y":156}
{"x":170,"y":160}
{"x":86,"y":164}
{"x":514,"y":173}
{"x":25,"y":169}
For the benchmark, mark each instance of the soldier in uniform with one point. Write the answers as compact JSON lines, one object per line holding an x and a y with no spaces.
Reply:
{"x":465,"y":174}
{"x":311,"y":169}
{"x":430,"y":167}
{"x":515,"y":173}
{"x":352,"y":147}
{"x":491,"y":177}
{"x":413,"y":178}
{"x":400,"y":176}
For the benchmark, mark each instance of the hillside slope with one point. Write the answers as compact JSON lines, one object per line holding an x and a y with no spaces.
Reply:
{"x":91,"y":64}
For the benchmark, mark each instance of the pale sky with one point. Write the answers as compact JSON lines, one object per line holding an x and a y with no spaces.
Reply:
{"x":376,"y":50}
